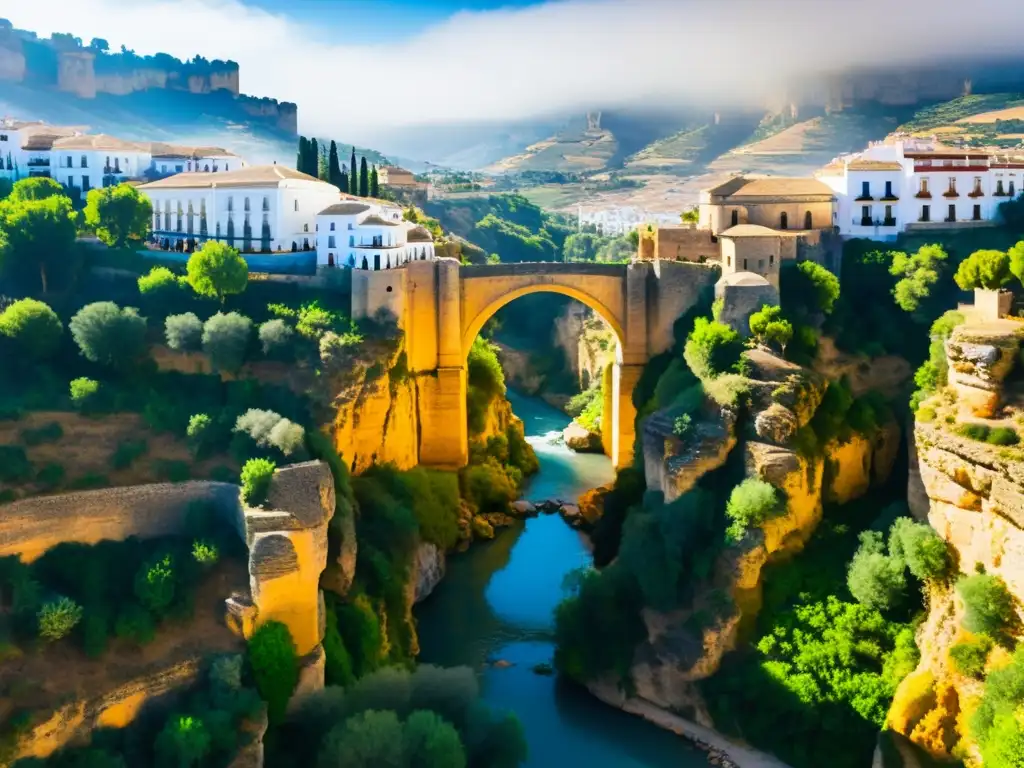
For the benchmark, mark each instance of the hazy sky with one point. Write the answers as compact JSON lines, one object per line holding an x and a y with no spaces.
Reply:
{"x":353,"y":65}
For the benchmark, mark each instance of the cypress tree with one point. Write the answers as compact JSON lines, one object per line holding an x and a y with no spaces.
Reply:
{"x":322,"y":166}
{"x":374,"y":183}
{"x":314,"y":158}
{"x":300,"y":161}
{"x":343,"y":182}
{"x":353,"y":176}
{"x":364,"y":178}
{"x":333,"y":168}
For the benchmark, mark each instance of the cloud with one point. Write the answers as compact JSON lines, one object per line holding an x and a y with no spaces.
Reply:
{"x":553,"y":58}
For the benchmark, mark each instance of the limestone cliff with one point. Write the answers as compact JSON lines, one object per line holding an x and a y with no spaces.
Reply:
{"x":687,"y":645}
{"x":972,"y":493}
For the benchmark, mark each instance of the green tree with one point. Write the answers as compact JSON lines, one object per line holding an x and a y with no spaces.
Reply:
{"x":750,"y":504}
{"x":353,"y":174}
{"x":303,"y":153}
{"x":334,"y":167}
{"x":226,"y":340}
{"x":313,"y":163}
{"x":108,"y":334}
{"x":364,"y":178}
{"x":920,"y":547}
{"x":581,"y":246}
{"x":818,"y":287}
{"x":159,"y":280}
{"x":918,"y":272}
{"x":875,"y":579}
{"x":1016,"y":254}
{"x":33,"y":326}
{"x":374,"y":183}
{"x":35,"y":188}
{"x":275,"y":667}
{"x":184,"y":333}
{"x":99,"y":44}
{"x":217,"y":270}
{"x":183,"y":743}
{"x":690,"y":216}
{"x":431,"y":742}
{"x":770,"y":327}
{"x":988,"y":269}
{"x":118,"y":214}
{"x":988,"y":604}
{"x":255,"y":479}
{"x":83,"y":391}
{"x":41,"y":233}
{"x":372,"y":739}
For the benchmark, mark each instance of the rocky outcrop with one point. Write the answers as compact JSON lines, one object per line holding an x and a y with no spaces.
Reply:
{"x":428,"y":570}
{"x":580,"y":439}
{"x":674,"y":464}
{"x":979,"y":359}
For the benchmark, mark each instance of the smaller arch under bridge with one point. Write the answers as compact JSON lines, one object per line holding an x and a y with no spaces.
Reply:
{"x":442,"y":305}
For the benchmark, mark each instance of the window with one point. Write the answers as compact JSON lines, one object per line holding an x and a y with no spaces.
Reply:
{"x":179,"y":168}
{"x":226,"y":167}
{"x":85,"y":161}
{"x":266,"y":203}
{"x":771,"y":260}
{"x":784,"y":221}
{"x":350,"y":225}
{"x":231,"y":204}
{"x":1012,"y":193}
{"x":246,"y":205}
{"x":760,"y":263}
{"x":728,"y":261}
{"x":735,"y":218}
{"x":71,"y":181}
{"x":3,"y":137}
{"x":305,"y":227}
{"x":808,"y":221}
{"x":926,"y":213}
{"x":351,"y":241}
{"x":85,"y":183}
{"x":888,"y":189}
{"x":376,"y":261}
{"x":865,"y":215}
{"x":744,"y":263}
{"x":296,"y":205}
{"x":330,"y":259}
{"x":206,"y":168}
{"x":332,"y":226}
{"x":952,"y":185}
{"x":977,"y":213}
{"x":977,"y":185}
{"x":865,"y":189}
{"x":999,"y":188}
{"x":163,"y":169}
{"x":330,"y":242}
{"x":951,"y":216}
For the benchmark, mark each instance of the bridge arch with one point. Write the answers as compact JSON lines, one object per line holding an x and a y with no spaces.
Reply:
{"x":474,"y":325}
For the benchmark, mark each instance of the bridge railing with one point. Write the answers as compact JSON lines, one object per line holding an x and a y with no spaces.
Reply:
{"x":543,"y":268}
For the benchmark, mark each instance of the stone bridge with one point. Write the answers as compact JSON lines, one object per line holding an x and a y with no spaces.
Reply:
{"x":442,"y":305}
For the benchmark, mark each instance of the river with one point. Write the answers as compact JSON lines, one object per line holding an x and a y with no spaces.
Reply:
{"x":497,"y":601}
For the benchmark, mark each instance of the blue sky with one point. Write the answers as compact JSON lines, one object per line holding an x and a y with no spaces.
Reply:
{"x":379,"y":19}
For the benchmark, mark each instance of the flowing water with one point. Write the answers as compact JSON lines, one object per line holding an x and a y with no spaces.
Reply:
{"x":497,"y":602}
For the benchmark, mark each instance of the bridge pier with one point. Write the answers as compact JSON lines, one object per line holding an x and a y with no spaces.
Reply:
{"x":443,"y":438}
{"x":620,"y":414}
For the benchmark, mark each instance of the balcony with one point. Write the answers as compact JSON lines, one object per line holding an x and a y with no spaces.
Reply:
{"x":976,"y":193}
{"x":38,"y":162}
{"x":113,"y":170}
{"x":863,"y":198}
{"x":889,"y":198}
{"x":950,"y":220}
{"x":864,"y":221}
{"x":951,"y":193}
{"x":889,"y":222}
{"x":923,"y":194}
{"x":1000,"y":192}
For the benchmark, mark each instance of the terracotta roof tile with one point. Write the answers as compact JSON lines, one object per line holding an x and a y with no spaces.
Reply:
{"x":750,"y":230}
{"x":259,"y":175}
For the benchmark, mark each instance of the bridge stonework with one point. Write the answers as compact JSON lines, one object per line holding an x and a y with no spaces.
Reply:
{"x":442,"y":306}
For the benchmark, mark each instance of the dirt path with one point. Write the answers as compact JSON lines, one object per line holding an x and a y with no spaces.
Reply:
{"x":740,"y":756}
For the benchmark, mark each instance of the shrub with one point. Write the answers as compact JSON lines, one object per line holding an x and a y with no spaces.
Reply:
{"x":712,"y":348}
{"x":751,"y":503}
{"x":109,"y":335}
{"x":276,"y":338}
{"x":155,"y":584}
{"x":33,"y":326}
{"x":372,"y":738}
{"x":995,"y":725}
{"x":1003,"y":436}
{"x":988,"y":604}
{"x":925,"y":414}
{"x":50,"y":476}
{"x":127,"y":452}
{"x":486,"y":381}
{"x":430,"y":742}
{"x":183,"y":332}
{"x":271,"y":430}
{"x":275,"y":667}
{"x":205,"y":552}
{"x":969,"y":656}
{"x":14,"y":464}
{"x":159,"y":280}
{"x":58,"y":618}
{"x":488,"y":487}
{"x":770,"y":327}
{"x":50,"y":433}
{"x":83,"y":392}
{"x":136,"y":624}
{"x":226,"y":339}
{"x":972,"y":431}
{"x":198,"y":431}
{"x":681,"y":425}
{"x":256,"y":477}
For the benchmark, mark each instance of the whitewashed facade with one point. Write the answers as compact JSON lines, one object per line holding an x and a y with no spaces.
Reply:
{"x":86,"y":161}
{"x":362,"y":233}
{"x":916,"y":184}
{"x":259,"y":209}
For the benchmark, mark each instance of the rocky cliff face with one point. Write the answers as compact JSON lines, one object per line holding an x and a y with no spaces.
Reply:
{"x":684,"y":646}
{"x":972,"y":493}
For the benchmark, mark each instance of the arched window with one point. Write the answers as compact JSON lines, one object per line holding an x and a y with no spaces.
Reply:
{"x":735,"y":218}
{"x":784,"y":220}
{"x":808,"y":221}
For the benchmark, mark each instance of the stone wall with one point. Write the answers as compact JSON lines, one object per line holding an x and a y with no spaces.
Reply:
{"x":684,"y":242}
{"x":31,"y":526}
{"x":742,"y":295}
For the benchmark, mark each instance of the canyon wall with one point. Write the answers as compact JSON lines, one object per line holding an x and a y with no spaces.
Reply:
{"x":972,"y":494}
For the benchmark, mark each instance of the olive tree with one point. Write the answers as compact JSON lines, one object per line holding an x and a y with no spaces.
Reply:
{"x":217,"y":270}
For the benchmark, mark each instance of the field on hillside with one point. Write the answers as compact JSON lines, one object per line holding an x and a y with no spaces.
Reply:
{"x":986,"y":120}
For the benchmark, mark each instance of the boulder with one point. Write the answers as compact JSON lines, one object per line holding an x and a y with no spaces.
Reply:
{"x":430,"y":569}
{"x":571,"y":514}
{"x":523,"y":508}
{"x":776,"y":424}
{"x":591,"y":503}
{"x":578,"y":438}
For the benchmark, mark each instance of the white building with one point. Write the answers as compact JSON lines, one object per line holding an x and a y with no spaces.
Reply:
{"x":365,"y":233}
{"x":620,"y":221}
{"x":915,"y":184}
{"x":259,"y":209}
{"x":85,"y":161}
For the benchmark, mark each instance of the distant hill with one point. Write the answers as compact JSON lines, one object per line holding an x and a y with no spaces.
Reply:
{"x":978,"y":120}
